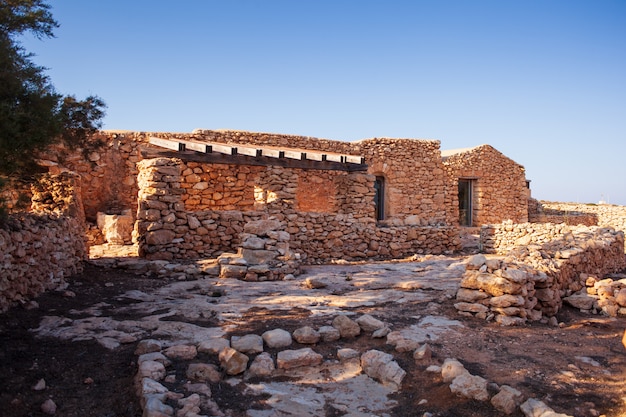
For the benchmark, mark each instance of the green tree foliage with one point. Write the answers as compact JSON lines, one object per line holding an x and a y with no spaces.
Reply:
{"x":32,"y":114}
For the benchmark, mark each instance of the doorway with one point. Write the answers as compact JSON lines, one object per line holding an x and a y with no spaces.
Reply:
{"x":466,"y":199}
{"x":379,"y":197}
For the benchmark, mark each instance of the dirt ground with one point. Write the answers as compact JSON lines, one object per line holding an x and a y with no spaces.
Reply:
{"x":578,"y":368}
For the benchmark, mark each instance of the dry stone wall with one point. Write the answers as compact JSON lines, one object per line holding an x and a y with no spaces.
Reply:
{"x":39,"y":250}
{"x":545,"y":263}
{"x":167,"y":229}
{"x":500,"y":191}
{"x":587,"y":214}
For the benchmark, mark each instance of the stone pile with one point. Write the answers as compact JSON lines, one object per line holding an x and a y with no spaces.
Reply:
{"x":245,"y":356}
{"x":264,"y":254}
{"x":606,"y":296}
{"x":531,"y":282}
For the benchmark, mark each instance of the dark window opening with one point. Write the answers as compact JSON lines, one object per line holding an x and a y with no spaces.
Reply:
{"x":379,"y":198}
{"x":466,"y":190}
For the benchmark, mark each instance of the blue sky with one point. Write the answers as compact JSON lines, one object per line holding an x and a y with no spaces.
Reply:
{"x":543,"y":81}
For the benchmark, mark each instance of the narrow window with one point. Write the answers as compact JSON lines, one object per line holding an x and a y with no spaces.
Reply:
{"x":379,"y":197}
{"x":465,"y":202}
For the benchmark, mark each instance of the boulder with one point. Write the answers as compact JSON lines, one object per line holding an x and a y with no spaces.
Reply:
{"x":381,"y":367}
{"x":288,"y":359}
{"x":346,"y":326}
{"x":232,"y":361}
{"x":277,"y":338}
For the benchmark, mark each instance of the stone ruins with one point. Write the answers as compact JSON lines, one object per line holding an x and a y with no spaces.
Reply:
{"x":245,"y":208}
{"x":193,"y":196}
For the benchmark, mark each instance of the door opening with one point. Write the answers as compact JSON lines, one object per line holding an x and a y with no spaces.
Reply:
{"x":379,"y":197}
{"x":466,"y":190}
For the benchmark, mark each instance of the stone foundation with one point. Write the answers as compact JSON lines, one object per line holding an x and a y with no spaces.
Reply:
{"x":544,"y":264}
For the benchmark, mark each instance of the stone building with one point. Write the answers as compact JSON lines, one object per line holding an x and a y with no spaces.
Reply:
{"x":191,"y":195}
{"x":491,"y":187}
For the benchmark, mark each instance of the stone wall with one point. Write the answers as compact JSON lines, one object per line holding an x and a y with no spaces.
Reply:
{"x":587,"y":214}
{"x":500,"y":190}
{"x":544,"y":264}
{"x":39,"y":250}
{"x":341,"y":226}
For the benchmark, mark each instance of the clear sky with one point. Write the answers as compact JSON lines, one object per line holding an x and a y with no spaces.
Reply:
{"x":542,"y":81}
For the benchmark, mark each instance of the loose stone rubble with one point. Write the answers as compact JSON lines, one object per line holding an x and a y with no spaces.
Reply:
{"x":540,"y":271}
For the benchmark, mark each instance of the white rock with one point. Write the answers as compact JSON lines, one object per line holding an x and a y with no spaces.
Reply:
{"x":263,"y":365}
{"x":154,"y":407}
{"x":40,"y":385}
{"x":470,"y":386}
{"x":346,"y":326}
{"x":381,"y":366}
{"x":49,"y":407}
{"x":213,"y":345}
{"x":423,"y":352}
{"x":507,"y":399}
{"x":148,"y":346}
{"x":152,"y":369}
{"x":306,"y":335}
{"x":150,"y":386}
{"x":288,"y":359}
{"x":181,"y":352}
{"x":380,"y":333}
{"x":250,"y":343}
{"x":329,"y":334}
{"x":451,"y":368}
{"x":154,"y":356}
{"x":277,"y":338}
{"x":536,"y":408}
{"x":347,"y":353}
{"x":369,"y":323}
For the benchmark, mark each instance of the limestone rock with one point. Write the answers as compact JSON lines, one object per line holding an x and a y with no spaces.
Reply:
{"x":381,"y":366}
{"x":232,"y":361}
{"x":451,"y":368}
{"x":347,"y":353}
{"x":536,"y":408}
{"x":49,"y":407}
{"x":424,"y":352}
{"x":369,"y":323}
{"x":329,"y":334}
{"x":147,"y":346}
{"x":470,"y":386}
{"x":154,"y":407}
{"x":213,"y":345}
{"x":581,"y":300}
{"x":288,"y":359}
{"x":182,"y":352}
{"x":261,"y":228}
{"x":346,"y":326}
{"x":507,"y":399}
{"x":306,"y":335}
{"x":152,"y":369}
{"x":250,"y":343}
{"x":277,"y":338}
{"x":263,"y":365}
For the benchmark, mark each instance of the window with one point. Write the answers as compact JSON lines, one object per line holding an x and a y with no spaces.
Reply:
{"x":379,"y":197}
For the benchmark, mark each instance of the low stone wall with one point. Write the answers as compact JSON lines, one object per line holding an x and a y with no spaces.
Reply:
{"x":587,"y":214}
{"x":38,"y":255}
{"x":166,"y":229}
{"x":544,"y":264}
{"x":39,"y":250}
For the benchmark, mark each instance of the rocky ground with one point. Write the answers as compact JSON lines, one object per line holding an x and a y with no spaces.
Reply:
{"x":77,"y":346}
